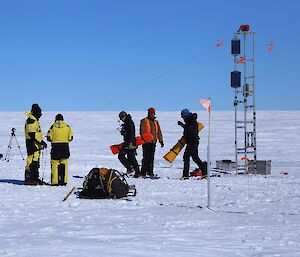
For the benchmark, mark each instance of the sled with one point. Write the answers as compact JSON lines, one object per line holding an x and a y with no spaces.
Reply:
{"x":140,"y":140}
{"x":175,"y":150}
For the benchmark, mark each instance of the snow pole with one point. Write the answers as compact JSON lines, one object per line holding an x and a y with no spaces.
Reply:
{"x":206,"y":104}
{"x":69,"y":193}
{"x":208,"y":163}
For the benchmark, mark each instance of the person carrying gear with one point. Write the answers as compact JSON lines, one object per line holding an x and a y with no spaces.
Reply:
{"x":128,"y":150}
{"x":191,"y":136}
{"x":150,"y":125}
{"x":34,"y":145}
{"x":59,"y":134}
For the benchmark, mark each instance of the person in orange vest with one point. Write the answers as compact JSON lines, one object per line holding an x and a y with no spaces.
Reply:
{"x":150,"y":125}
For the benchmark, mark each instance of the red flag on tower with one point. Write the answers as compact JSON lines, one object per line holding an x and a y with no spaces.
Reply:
{"x":270,"y":47}
{"x":219,"y":42}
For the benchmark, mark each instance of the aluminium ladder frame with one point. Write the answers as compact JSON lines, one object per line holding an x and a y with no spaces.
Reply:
{"x":246,"y":156}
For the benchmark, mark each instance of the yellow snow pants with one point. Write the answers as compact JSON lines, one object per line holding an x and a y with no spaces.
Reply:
{"x":59,"y":172}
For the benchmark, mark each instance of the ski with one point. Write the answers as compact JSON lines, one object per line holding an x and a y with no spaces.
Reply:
{"x":175,"y":150}
{"x":140,"y":140}
{"x":170,"y":167}
{"x":179,"y":205}
{"x":222,"y":171}
{"x":195,"y":178}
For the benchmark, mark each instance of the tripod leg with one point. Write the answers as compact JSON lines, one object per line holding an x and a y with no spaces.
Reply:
{"x":19,"y":148}
{"x":8,"y":149}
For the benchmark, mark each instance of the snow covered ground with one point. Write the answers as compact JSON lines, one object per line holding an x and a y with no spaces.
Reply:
{"x":250,"y":216}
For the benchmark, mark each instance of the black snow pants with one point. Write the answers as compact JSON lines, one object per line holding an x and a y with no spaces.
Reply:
{"x":148,"y":159}
{"x":191,"y":150}
{"x":127,"y":158}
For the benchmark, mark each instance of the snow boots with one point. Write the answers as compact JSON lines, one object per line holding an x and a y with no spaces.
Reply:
{"x":200,"y":173}
{"x":32,"y":174}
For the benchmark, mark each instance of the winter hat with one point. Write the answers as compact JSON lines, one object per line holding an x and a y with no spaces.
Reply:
{"x":36,"y":110}
{"x":122,"y":114}
{"x":185,"y":113}
{"x":59,"y":117}
{"x":151,"y":111}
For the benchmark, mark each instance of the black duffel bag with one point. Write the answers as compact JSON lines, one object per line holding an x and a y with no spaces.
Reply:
{"x":105,"y":183}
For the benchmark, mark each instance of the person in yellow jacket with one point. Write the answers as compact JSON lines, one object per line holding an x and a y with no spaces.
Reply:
{"x":59,"y":134}
{"x":34,"y":145}
{"x":150,"y":125}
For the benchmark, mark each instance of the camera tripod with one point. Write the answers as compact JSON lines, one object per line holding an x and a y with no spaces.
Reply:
{"x":12,"y":135}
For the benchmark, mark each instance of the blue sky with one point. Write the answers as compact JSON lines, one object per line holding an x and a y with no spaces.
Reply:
{"x":71,"y":55}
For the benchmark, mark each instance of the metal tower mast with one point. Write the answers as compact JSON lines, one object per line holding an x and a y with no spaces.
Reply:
{"x":244,"y":100}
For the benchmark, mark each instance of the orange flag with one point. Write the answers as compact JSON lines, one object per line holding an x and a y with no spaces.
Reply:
{"x":270,"y":47}
{"x":205,"y":103}
{"x":219,"y":42}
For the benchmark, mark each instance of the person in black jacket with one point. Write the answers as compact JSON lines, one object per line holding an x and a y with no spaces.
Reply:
{"x":191,"y":136}
{"x":128,"y":151}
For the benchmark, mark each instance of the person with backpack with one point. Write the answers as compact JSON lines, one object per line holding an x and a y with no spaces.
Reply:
{"x":190,"y":133}
{"x":34,"y":145}
{"x":59,"y":134}
{"x":128,"y":151}
{"x":150,"y":125}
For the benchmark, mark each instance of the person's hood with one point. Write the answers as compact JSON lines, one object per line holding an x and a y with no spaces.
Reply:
{"x":59,"y":124}
{"x":29,"y":115}
{"x":192,"y":118}
{"x":128,"y":117}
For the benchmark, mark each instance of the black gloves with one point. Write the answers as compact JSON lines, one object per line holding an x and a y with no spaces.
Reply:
{"x":43,"y":145}
{"x":180,"y":124}
{"x":162,"y":144}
